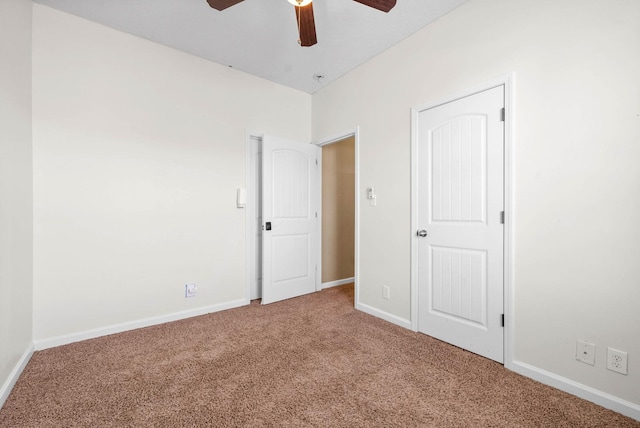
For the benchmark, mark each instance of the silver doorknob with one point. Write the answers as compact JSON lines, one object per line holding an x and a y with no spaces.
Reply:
{"x":422,"y":233}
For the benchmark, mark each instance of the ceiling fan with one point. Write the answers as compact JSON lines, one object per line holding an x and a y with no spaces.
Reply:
{"x":304,"y":15}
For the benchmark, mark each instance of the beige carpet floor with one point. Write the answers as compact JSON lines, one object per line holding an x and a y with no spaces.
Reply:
{"x":309,"y":361}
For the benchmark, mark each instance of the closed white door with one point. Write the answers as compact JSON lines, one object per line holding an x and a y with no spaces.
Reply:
{"x":460,"y":191}
{"x":290,"y":204}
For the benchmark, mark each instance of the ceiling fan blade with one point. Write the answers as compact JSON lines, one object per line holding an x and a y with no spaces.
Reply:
{"x":383,"y":5}
{"x":222,"y":4}
{"x":306,"y":25}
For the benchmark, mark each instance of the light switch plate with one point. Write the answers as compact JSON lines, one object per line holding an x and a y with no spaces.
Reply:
{"x":190,"y":290}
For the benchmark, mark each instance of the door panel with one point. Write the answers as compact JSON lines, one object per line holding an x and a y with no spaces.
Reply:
{"x":290,"y":232}
{"x":291,"y":171}
{"x":458,"y":284}
{"x":459,"y":157}
{"x":297,"y":264}
{"x":460,"y":200}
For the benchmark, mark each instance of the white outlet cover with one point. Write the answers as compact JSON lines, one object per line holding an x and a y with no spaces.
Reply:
{"x":586,"y":352}
{"x":617,"y":361}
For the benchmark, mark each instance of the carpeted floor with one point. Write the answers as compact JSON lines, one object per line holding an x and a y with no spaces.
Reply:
{"x":309,"y":361}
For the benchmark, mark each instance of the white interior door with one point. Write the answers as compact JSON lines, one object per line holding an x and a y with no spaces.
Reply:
{"x":460,"y":179}
{"x":290,"y":203}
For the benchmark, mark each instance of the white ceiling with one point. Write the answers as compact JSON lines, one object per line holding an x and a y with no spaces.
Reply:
{"x":260,"y":36}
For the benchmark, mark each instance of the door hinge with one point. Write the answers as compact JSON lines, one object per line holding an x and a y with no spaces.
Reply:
{"x":502,"y":114}
{"x":316,"y":161}
{"x":502,"y":320}
{"x":501,"y":217}
{"x":316,"y":215}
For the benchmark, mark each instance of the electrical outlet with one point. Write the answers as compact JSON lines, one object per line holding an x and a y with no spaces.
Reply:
{"x":190,"y":290}
{"x":617,"y":360}
{"x":386,"y":291}
{"x":586,"y":352}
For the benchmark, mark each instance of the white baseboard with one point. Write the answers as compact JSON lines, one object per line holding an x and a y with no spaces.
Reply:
{"x":588,"y":393}
{"x":384,"y":315}
{"x":8,"y":385}
{"x":147,"y":322}
{"x":337,"y":282}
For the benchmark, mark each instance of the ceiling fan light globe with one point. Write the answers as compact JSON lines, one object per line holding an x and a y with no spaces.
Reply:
{"x":300,"y":3}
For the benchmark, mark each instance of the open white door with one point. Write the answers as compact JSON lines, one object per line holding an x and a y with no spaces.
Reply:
{"x":460,"y":190}
{"x":290,"y":229}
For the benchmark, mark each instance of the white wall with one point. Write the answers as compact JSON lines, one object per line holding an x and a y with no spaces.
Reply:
{"x":16,"y":199}
{"x":138,"y":151}
{"x":576,"y":153}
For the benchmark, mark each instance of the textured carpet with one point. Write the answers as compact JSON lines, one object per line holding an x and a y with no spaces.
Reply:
{"x":309,"y":361}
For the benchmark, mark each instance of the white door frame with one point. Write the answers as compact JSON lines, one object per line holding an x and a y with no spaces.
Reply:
{"x":355,"y":133}
{"x":507,"y":81}
{"x":250,"y":232}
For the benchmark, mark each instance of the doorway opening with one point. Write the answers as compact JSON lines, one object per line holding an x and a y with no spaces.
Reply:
{"x":338,"y":213}
{"x":340,"y":209}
